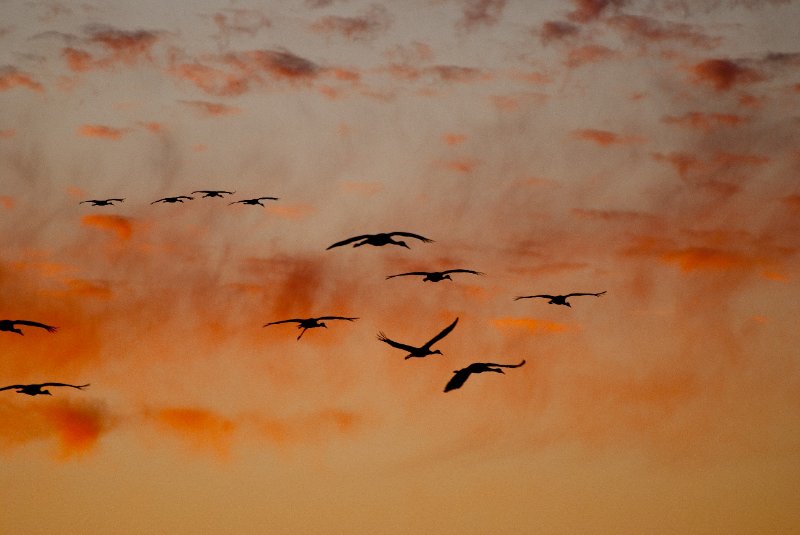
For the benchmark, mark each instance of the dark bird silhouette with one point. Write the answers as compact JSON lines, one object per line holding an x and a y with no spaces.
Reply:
{"x":461,"y":376}
{"x":425,"y":349}
{"x":255,"y":201}
{"x":172,"y":200}
{"x":380,"y":239}
{"x":557,"y":299}
{"x":435,"y":276}
{"x":11,"y":326}
{"x":213,"y":193}
{"x":102,"y":202}
{"x":38,"y":389}
{"x":309,"y":323}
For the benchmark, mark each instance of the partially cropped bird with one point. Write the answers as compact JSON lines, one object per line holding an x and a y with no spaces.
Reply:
{"x":309,"y":323}
{"x":255,"y":201}
{"x":11,"y":326}
{"x":102,"y":202}
{"x":425,"y":349}
{"x":557,"y":299}
{"x":38,"y":389}
{"x":461,"y":376}
{"x":213,"y":193}
{"x":171,"y":200}
{"x":435,"y":276}
{"x":380,"y":239}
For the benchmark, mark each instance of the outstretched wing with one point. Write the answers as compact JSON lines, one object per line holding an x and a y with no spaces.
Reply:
{"x":335,"y":318}
{"x":9,"y":387}
{"x":382,"y":337}
{"x":530,"y":296}
{"x":442,"y":334}
{"x":296,"y":320}
{"x":423,"y":273}
{"x":503,"y":365}
{"x":91,"y":201}
{"x":267,"y":199}
{"x":48,"y":328}
{"x":457,"y":381}
{"x":462,"y":271}
{"x":120,"y":200}
{"x":575,"y":294}
{"x":236,"y":202}
{"x":159,"y":200}
{"x":348,"y":240}
{"x":410,"y":235}
{"x":79,"y":387}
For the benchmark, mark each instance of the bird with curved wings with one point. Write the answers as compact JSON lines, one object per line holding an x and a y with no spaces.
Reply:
{"x":309,"y":323}
{"x":11,"y":326}
{"x":213,"y":192}
{"x":425,"y":349}
{"x":436,"y":276}
{"x":461,"y":376}
{"x":102,"y":202}
{"x":380,"y":239}
{"x":173,"y":200}
{"x":557,"y":299}
{"x":38,"y":388}
{"x":255,"y":201}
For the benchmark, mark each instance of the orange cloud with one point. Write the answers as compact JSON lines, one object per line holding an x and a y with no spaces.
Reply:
{"x":153,"y":126}
{"x":123,"y":45}
{"x":460,"y":166}
{"x":102,"y":131}
{"x":78,"y":60}
{"x":240,"y":21}
{"x":557,"y":31}
{"x":454,"y":139}
{"x":580,"y":56}
{"x":122,"y":226}
{"x":211,"y":80}
{"x":7,"y":134}
{"x":291,"y":211}
{"x":622,"y":216}
{"x":705,"y":121}
{"x":605,"y":138}
{"x":481,"y":13}
{"x":201,"y":429}
{"x":589,"y":10}
{"x":10,"y":78}
{"x":723,"y":74}
{"x":792,"y":201}
{"x":310,"y":427}
{"x":211,"y":108}
{"x":532,"y":325}
{"x":707,"y":258}
{"x":690,"y":166}
{"x":84,"y":288}
{"x":7,"y":202}
{"x":362,"y":28}
{"x":652,"y":30}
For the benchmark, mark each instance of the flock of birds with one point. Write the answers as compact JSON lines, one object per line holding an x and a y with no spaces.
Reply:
{"x":377,"y":240}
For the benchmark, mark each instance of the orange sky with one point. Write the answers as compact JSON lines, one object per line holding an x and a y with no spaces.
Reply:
{"x":643,"y":149}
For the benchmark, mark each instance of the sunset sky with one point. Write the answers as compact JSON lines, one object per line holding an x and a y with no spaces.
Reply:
{"x":644,"y":148}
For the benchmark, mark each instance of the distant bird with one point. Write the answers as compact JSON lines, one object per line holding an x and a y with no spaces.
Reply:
{"x":310,"y":323}
{"x":435,"y":276}
{"x":102,"y":202}
{"x":255,"y":201}
{"x":423,"y":351}
{"x":37,"y":389}
{"x":213,"y":193}
{"x":171,"y":200}
{"x":557,"y":299}
{"x":11,"y":326}
{"x":380,"y":239}
{"x":461,"y":376}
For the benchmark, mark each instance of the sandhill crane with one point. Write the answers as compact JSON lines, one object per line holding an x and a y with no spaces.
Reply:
{"x":11,"y":326}
{"x":309,"y":323}
{"x":425,"y":349}
{"x":461,"y":376}
{"x":380,"y":239}
{"x":436,"y":276}
{"x":38,"y":389}
{"x":172,"y":200}
{"x":558,"y":299}
{"x":102,"y":202}
{"x":213,"y":192}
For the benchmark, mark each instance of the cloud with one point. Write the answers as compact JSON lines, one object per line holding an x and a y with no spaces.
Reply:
{"x":102,"y":131}
{"x":277,"y":63}
{"x":11,"y":77}
{"x":375,"y":20}
{"x":211,"y":109}
{"x":211,"y":80}
{"x":535,"y":326}
{"x":577,"y":57}
{"x":453,"y":139}
{"x":8,"y":134}
{"x":589,"y":10}
{"x":606,"y":138}
{"x":7,"y":202}
{"x":651,"y":30}
{"x":707,"y":258}
{"x":481,"y":13}
{"x":234,"y":22}
{"x":201,"y":429}
{"x":125,"y":46}
{"x":723,"y":74}
{"x":121,"y":226}
{"x":691,"y":167}
{"x":616,"y":216}
{"x":705,"y":121}
{"x":296,"y":211}
{"x":556,"y":30}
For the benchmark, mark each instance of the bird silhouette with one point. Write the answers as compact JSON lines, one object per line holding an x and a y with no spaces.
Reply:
{"x":380,"y":239}
{"x":436,"y":276}
{"x":309,"y":323}
{"x":255,"y":201}
{"x":102,"y":202}
{"x":213,"y":193}
{"x":38,"y":389}
{"x":11,"y":326}
{"x":557,"y":299}
{"x":461,"y":376}
{"x":424,"y":350}
{"x":173,"y":200}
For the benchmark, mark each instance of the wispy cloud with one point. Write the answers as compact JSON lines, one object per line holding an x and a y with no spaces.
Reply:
{"x":102,"y":131}
{"x":374,"y":21}
{"x":11,"y":77}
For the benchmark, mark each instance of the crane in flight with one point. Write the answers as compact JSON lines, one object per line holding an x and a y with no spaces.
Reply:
{"x":102,"y":202}
{"x":173,"y":200}
{"x":425,"y":349}
{"x":213,"y":193}
{"x":11,"y":326}
{"x":309,"y":323}
{"x":38,"y":389}
{"x":435,"y":276}
{"x":255,"y":201}
{"x":557,"y":299}
{"x":380,"y":239}
{"x":461,"y":376}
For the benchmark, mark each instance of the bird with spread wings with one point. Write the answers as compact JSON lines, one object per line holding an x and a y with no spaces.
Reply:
{"x":213,"y":192}
{"x":255,"y":201}
{"x":425,"y":349}
{"x":102,"y":202}
{"x":38,"y":388}
{"x":309,"y":323}
{"x":173,"y":200}
{"x":461,"y":376}
{"x":11,"y":326}
{"x":435,"y":276}
{"x":557,"y":299}
{"x":380,"y":239}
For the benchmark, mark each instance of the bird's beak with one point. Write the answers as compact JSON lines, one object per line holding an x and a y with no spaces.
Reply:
{"x":47,"y":392}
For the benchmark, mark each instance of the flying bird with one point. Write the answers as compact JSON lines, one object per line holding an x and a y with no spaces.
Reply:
{"x":310,"y":323}
{"x":213,"y":193}
{"x":557,"y":299}
{"x":11,"y":326}
{"x":102,"y":202}
{"x":461,"y":376}
{"x":380,"y":239}
{"x":172,"y":200}
{"x":255,"y":201}
{"x":436,"y":276}
{"x":38,"y":389}
{"x":424,"y":350}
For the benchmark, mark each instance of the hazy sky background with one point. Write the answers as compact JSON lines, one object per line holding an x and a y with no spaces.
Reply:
{"x":644,"y":148}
